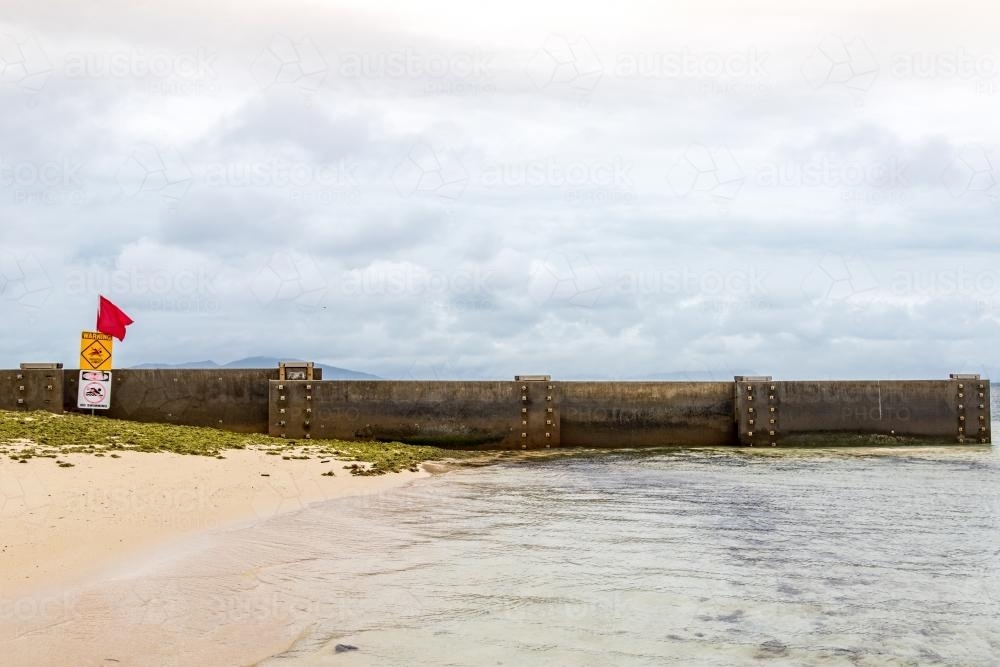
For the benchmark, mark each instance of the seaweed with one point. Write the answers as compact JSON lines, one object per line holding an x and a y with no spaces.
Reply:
{"x":25,"y":436}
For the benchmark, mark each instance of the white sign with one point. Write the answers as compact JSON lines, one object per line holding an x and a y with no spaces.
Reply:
{"x":95,"y":390}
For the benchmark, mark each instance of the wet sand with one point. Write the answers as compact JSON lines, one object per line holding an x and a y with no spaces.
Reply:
{"x":64,"y":525}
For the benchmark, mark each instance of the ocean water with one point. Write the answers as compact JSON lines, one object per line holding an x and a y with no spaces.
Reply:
{"x":708,"y":557}
{"x":685,"y":557}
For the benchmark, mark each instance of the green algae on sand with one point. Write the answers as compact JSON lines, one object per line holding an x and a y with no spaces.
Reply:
{"x":27,"y":435}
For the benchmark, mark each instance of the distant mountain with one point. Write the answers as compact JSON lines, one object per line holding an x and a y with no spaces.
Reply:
{"x":329,"y":372}
{"x":663,"y":376}
{"x":695,"y":375}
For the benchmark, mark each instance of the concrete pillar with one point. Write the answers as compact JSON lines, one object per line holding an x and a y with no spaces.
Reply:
{"x":538,"y":420}
{"x":757,"y":414}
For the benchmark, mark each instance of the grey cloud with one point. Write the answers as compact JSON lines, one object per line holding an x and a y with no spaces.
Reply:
{"x":640,"y":278}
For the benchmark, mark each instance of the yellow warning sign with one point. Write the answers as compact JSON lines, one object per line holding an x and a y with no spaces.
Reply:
{"x":95,"y":351}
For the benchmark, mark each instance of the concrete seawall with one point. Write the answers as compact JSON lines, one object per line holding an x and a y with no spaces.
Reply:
{"x":645,"y":414}
{"x":230,"y":399}
{"x":534,"y":412}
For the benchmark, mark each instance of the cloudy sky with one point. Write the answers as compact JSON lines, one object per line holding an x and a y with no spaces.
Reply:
{"x":441,"y":189}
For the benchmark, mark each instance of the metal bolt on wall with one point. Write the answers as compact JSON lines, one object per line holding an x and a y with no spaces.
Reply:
{"x":757,"y":411}
{"x":538,"y":412}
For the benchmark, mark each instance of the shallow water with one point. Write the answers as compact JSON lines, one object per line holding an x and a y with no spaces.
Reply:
{"x":718,"y":557}
{"x":721,"y":557}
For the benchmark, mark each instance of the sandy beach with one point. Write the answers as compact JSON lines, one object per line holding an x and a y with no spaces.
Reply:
{"x":107,"y":527}
{"x":60,"y":526}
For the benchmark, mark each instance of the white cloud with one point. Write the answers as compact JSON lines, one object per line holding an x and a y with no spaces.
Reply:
{"x":615,"y":226}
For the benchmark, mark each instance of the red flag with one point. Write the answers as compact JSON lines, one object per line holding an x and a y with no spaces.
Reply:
{"x":111,"y":319}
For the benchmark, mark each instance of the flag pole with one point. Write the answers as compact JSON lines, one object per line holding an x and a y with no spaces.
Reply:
{"x":97,"y":321}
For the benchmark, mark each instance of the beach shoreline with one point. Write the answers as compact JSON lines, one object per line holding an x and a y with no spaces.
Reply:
{"x":114,"y":557}
{"x":63,"y":525}
{"x":484,"y":567}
